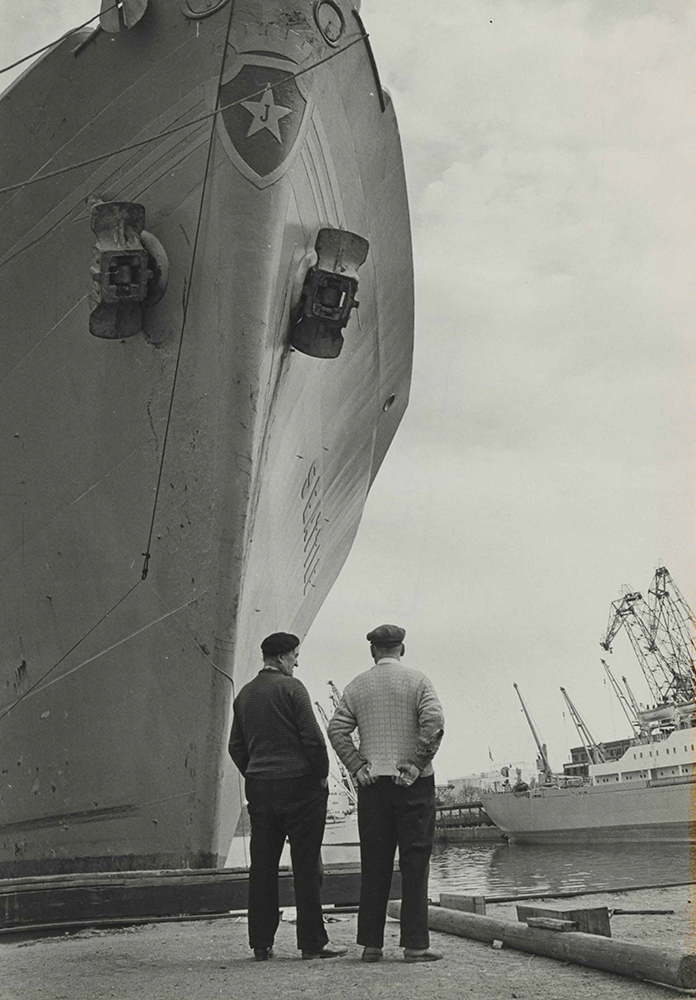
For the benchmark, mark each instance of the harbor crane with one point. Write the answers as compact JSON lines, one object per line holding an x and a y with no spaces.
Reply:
{"x":631,"y":697}
{"x":335,"y":695}
{"x":672,"y":630}
{"x":661,"y":632}
{"x":543,"y":756}
{"x":630,"y":709}
{"x":594,"y":749}
{"x":631,"y":613}
{"x":345,"y":778}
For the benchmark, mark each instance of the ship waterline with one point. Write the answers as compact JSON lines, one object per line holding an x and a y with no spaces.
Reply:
{"x":117,"y":689}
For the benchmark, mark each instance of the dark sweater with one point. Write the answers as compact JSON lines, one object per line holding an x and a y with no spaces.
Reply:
{"x":274,"y":732}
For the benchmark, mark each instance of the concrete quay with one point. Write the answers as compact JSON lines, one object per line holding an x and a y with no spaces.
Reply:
{"x":210,"y":960}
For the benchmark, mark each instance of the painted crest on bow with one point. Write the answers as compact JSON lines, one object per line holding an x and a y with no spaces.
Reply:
{"x":265,"y":111}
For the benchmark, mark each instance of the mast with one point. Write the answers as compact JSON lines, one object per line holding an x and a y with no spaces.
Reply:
{"x":643,"y":727}
{"x":335,"y":695}
{"x":632,"y":698}
{"x":594,"y":750}
{"x":322,"y":714}
{"x":629,"y":710}
{"x":546,"y":767}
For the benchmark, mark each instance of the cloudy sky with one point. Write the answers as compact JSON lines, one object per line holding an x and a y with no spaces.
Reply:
{"x":547,"y":456}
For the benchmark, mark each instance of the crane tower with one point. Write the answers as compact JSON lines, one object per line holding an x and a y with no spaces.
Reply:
{"x":661,"y":632}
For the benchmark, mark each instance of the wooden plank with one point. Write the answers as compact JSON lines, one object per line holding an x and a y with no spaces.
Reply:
{"x":468,"y":904}
{"x":627,"y":958}
{"x":155,"y":877}
{"x":570,"y":894}
{"x":551,"y":924}
{"x":619,"y":910}
{"x":590,"y":919}
{"x":144,"y":894}
{"x":124,"y":877}
{"x":133,"y":921}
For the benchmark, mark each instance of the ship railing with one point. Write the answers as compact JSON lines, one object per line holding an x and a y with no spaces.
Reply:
{"x":567,"y":781}
{"x":460,"y":815}
{"x":672,"y":779}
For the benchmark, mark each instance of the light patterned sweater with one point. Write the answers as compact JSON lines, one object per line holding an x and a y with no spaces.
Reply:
{"x":398,"y":715}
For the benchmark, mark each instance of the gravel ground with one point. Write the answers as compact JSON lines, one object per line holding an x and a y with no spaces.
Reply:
{"x":209,"y":960}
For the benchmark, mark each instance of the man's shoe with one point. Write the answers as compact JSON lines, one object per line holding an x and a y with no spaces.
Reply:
{"x":262,"y":954}
{"x":328,"y":951}
{"x":422,"y":955}
{"x":372,"y":954}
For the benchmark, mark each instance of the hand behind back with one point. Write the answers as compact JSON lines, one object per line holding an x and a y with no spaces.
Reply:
{"x":364,"y":777}
{"x":407,"y":775}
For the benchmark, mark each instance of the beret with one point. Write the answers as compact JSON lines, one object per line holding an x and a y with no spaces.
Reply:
{"x":279,"y":642}
{"x":386,"y":635}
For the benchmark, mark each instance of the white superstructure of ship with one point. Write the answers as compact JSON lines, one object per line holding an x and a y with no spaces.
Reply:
{"x":648,"y":793}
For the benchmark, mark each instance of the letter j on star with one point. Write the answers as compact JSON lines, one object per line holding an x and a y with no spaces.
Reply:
{"x":266,"y":114}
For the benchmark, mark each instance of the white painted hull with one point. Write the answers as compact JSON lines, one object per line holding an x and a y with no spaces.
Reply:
{"x":596,"y":814}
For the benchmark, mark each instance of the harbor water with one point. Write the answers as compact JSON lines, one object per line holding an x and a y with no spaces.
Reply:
{"x":498,"y":869}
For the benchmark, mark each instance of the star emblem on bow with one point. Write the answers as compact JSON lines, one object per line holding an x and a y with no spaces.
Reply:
{"x":266,"y":114}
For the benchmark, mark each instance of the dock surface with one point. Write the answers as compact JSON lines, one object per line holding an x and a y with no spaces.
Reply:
{"x":210,"y":960}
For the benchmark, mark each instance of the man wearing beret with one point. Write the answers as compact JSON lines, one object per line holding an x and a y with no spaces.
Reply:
{"x":400,"y":723}
{"x":278,"y":746}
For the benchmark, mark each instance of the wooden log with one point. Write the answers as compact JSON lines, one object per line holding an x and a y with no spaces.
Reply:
{"x":468,"y":904}
{"x":551,"y":924}
{"x":589,"y":919}
{"x":659,"y":965}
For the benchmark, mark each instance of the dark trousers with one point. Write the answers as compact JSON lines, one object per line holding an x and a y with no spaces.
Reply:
{"x":389,"y":814}
{"x":294,"y":808}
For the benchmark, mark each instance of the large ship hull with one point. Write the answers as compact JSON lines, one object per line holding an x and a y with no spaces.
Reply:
{"x":594,"y":814}
{"x":244,"y":463}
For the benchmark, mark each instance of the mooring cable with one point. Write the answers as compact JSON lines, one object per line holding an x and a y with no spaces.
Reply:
{"x":177,"y":128}
{"x":66,"y":34}
{"x":89,"y":631}
{"x":114,"y":645}
{"x":147,"y":555}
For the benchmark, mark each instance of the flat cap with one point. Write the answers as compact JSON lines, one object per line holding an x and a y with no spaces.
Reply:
{"x":279,"y":642}
{"x":386,"y":635}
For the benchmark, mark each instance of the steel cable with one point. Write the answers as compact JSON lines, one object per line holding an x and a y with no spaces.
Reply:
{"x":194,"y":121}
{"x":66,"y":34}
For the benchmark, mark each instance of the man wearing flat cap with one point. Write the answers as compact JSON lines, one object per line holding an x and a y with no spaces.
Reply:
{"x":400,"y":723}
{"x":278,"y":746}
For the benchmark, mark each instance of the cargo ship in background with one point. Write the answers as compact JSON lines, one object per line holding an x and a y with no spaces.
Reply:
{"x":642,"y":789}
{"x":194,"y":197}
